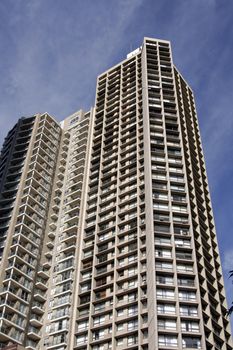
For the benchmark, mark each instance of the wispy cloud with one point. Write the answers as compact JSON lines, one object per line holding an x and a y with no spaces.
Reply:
{"x":228,"y":260}
{"x":58,"y":53}
{"x":228,"y":266}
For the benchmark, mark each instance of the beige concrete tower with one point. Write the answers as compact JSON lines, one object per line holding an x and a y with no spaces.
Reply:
{"x":149,"y":276}
{"x":28,"y":162}
{"x":67,"y":204}
{"x":123,"y":245}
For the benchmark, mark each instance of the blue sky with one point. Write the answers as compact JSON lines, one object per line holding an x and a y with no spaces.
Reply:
{"x":53,"y":50}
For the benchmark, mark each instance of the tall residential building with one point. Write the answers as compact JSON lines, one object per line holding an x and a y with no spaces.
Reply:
{"x":107,"y":236}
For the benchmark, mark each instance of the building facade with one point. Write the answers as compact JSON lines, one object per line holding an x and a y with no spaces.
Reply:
{"x":107,"y":232}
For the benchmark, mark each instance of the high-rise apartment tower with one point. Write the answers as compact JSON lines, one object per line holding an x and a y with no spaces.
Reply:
{"x":107,"y":236}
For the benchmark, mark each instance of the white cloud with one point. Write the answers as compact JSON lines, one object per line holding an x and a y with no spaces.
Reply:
{"x":58,"y":55}
{"x":228,"y":282}
{"x":228,"y":260}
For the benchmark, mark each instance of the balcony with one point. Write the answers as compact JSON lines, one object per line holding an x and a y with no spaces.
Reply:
{"x":36,"y":321}
{"x":186,"y":282}
{"x":40,"y":296}
{"x":41,"y":283}
{"x":34,"y":333}
{"x":183,"y":256}
{"x":37,"y":308}
{"x":43,"y":272}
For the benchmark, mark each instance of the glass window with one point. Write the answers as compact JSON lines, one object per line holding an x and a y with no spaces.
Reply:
{"x":132,"y":325}
{"x":133,"y":339}
{"x":183,"y":295}
{"x":166,"y":309}
{"x":99,"y":320}
{"x":82,"y":339}
{"x":167,"y":324}
{"x":120,"y":341}
{"x":188,"y":310}
{"x":185,"y":268}
{"x":166,"y":340}
{"x":163,"y":265}
{"x":191,"y":342}
{"x":132,"y":310}
{"x":165,"y":293}
{"x":164,"y":280}
{"x":120,"y":327}
{"x":82,"y":325}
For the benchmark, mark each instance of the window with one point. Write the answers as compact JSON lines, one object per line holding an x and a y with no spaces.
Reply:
{"x":162,"y":240}
{"x":165,"y":293}
{"x":132,"y":284}
{"x":165,"y":253}
{"x":164,"y":280}
{"x":189,"y":342}
{"x":163,"y":265}
{"x":183,"y":295}
{"x":132,"y":271}
{"x":144,"y":318}
{"x":82,"y":325}
{"x":99,"y":320}
{"x":132,"y":310}
{"x":84,"y":311}
{"x":104,"y":236}
{"x":184,"y":268}
{"x":133,"y":339}
{"x":120,"y":341}
{"x":179,"y":208}
{"x":86,"y":275}
{"x":174,"y":160}
{"x":160,"y":206}
{"x":74,"y":120}
{"x":132,"y":258}
{"x":166,"y":340}
{"x":100,"y":307}
{"x":184,"y":256}
{"x":132,"y":325}
{"x":121,"y":262}
{"x":24,"y":295}
{"x":182,"y":219}
{"x":101,"y":281}
{"x":85,"y":299}
{"x":179,"y":188}
{"x":81,"y":339}
{"x":85,"y":287}
{"x":57,"y":339}
{"x":186,"y":310}
{"x":167,"y":324}
{"x":98,"y":334}
{"x":161,"y":217}
{"x":88,"y":253}
{"x":132,"y":297}
{"x":98,"y":347}
{"x":166,"y":309}
{"x":160,"y":195}
{"x":120,"y":327}
{"x":181,"y":231}
{"x":162,"y":228}
{"x":180,"y":242}
{"x":186,"y":282}
{"x":120,"y":312}
{"x":189,"y":326}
